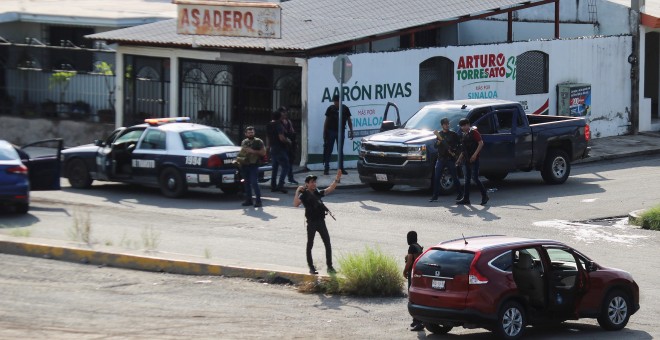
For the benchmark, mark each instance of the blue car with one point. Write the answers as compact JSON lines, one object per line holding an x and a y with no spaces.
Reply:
{"x":35,"y":166}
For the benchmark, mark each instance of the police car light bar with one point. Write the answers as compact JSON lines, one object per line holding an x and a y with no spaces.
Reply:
{"x":159,"y":121}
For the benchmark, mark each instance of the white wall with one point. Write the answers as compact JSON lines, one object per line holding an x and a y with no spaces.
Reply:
{"x":612,"y":18}
{"x":492,"y":31}
{"x":600,"y":62}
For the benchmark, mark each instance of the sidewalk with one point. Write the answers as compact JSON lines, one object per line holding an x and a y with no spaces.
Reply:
{"x":601,"y":149}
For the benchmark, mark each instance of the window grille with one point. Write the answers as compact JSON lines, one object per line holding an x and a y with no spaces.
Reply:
{"x":532,"y":73}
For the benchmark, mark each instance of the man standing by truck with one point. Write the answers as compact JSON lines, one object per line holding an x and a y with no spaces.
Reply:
{"x":471,"y":145}
{"x":447,"y":145}
{"x":331,"y":135}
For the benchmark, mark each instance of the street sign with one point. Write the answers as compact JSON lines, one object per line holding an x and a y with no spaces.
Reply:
{"x":348,"y":68}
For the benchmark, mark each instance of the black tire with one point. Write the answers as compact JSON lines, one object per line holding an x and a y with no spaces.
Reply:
{"x":231,"y":190}
{"x":22,"y":208}
{"x":496,"y":177}
{"x":437,"y":329}
{"x":615,"y":312}
{"x":446,"y":183}
{"x":381,"y":186}
{"x":172,"y":184}
{"x":556,"y":168}
{"x":511,"y":321}
{"x":78,"y":174}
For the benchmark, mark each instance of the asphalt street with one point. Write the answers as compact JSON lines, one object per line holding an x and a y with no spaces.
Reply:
{"x":131,"y":253}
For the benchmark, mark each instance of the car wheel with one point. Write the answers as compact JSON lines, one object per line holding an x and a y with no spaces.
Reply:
{"x":438,"y":329}
{"x":446,"y":183}
{"x":511,"y":321}
{"x":496,"y":177}
{"x":381,"y":186}
{"x":615,"y":312}
{"x":230,"y":190}
{"x":556,"y":168}
{"x":22,"y":208}
{"x":171,"y":183}
{"x":78,"y":174}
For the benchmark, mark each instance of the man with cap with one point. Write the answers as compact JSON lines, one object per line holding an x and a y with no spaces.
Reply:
{"x":471,"y":145}
{"x":331,"y":134}
{"x":447,"y":145}
{"x":310,"y":197}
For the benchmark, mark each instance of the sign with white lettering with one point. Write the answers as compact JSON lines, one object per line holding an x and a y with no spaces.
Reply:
{"x":255,"y":20}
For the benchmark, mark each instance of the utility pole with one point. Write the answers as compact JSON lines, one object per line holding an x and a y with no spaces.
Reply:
{"x":633,"y":59}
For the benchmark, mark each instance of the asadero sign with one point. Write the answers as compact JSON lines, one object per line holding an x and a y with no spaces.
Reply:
{"x":217,"y":19}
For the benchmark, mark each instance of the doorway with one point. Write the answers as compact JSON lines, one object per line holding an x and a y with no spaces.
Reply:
{"x":652,"y":71}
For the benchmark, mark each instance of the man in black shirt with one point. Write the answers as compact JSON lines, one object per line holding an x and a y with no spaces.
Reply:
{"x":278,"y":144}
{"x":447,"y":142}
{"x":310,"y":197}
{"x":331,"y":134}
{"x":414,"y":250}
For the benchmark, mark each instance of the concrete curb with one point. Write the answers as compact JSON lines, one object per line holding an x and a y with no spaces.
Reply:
{"x":146,"y":263}
{"x":634,"y":217}
{"x":617,"y":156}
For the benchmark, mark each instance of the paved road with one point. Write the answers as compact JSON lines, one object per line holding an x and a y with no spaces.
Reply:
{"x":215,"y":226}
{"x":46,"y":299}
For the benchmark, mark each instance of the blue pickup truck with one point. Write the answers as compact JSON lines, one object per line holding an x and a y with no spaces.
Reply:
{"x":513,"y":141}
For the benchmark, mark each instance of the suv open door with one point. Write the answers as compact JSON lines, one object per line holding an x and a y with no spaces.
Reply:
{"x":389,"y":124}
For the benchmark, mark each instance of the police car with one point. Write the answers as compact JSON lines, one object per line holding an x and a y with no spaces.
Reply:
{"x":170,"y":153}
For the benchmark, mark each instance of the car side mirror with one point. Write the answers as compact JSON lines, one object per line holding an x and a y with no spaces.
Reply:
{"x":591,"y":266}
{"x":98,"y":142}
{"x":387,"y":125}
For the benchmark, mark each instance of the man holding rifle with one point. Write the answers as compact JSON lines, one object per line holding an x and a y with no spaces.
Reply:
{"x":310,"y":197}
{"x":447,"y":144}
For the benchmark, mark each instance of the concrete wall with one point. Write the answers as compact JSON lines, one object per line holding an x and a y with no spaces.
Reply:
{"x":611,"y":18}
{"x":13,"y":129}
{"x":18,"y":31}
{"x":601,"y":62}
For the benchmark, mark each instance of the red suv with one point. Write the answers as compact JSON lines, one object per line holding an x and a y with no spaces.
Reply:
{"x":506,"y":283}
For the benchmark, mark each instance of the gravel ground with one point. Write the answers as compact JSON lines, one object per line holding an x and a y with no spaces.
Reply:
{"x":46,"y":299}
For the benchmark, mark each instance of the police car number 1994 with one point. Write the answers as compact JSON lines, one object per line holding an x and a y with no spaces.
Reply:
{"x":193,"y":160}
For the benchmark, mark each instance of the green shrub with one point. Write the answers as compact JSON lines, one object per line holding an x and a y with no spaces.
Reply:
{"x":650,"y":219}
{"x":370,"y":273}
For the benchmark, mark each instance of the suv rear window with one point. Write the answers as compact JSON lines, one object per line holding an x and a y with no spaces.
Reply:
{"x":449,"y":263}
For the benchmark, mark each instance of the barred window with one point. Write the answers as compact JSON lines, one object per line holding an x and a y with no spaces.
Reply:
{"x":436,"y":79}
{"x":532,"y":73}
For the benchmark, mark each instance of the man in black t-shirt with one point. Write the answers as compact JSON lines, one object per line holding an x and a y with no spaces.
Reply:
{"x":414,"y":250}
{"x":310,"y":197}
{"x":447,"y":142}
{"x":278,"y":144}
{"x":331,"y":134}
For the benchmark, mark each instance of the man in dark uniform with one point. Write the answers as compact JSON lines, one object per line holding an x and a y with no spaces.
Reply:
{"x":310,"y":197}
{"x":471,"y":145}
{"x":278,"y":144}
{"x":447,"y":145}
{"x":414,"y":250}
{"x":331,"y":134}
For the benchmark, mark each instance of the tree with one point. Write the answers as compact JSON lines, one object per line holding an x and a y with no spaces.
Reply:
{"x":61,"y":80}
{"x":105,"y":69}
